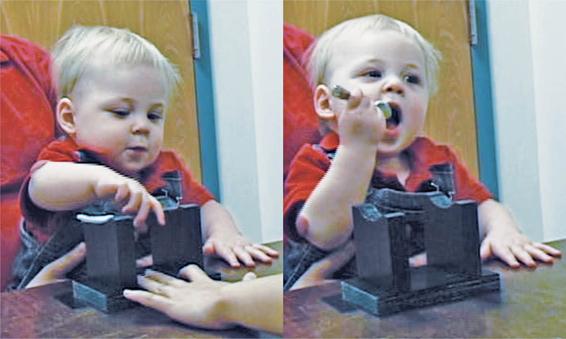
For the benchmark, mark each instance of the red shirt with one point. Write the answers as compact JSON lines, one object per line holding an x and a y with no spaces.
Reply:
{"x":311,"y":164}
{"x":43,"y":223}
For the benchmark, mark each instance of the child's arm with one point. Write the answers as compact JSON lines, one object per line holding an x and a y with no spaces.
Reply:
{"x":225,"y":240}
{"x":326,"y":219}
{"x":503,"y":239}
{"x":65,"y":186}
{"x":203,"y":302}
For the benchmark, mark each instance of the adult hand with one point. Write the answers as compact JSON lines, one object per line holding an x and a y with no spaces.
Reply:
{"x":203,"y":302}
{"x":57,"y":269}
{"x":198,"y":302}
{"x":321,"y":271}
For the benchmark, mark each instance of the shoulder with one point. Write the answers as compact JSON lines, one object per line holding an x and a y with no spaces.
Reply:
{"x":60,"y":150}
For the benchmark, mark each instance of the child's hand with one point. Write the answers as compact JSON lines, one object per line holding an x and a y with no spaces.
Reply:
{"x":514,"y":248}
{"x":360,"y":123}
{"x":134,"y":198}
{"x":234,"y":248}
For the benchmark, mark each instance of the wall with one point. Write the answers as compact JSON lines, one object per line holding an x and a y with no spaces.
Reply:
{"x":248,"y":87}
{"x":527,"y":48}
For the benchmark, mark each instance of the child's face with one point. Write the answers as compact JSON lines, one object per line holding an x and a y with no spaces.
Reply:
{"x":119,"y":112}
{"x":385,"y":66}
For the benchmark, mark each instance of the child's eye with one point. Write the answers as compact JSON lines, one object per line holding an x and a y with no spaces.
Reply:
{"x":412,"y":79}
{"x":373,"y":74}
{"x":121,"y":112}
{"x":154,"y":116}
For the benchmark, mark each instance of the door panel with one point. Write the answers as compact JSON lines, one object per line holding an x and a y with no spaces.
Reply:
{"x":165,"y":23}
{"x":451,"y":116}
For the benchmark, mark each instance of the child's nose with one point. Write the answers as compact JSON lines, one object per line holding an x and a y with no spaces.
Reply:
{"x":140,"y":125}
{"x":394,"y":85}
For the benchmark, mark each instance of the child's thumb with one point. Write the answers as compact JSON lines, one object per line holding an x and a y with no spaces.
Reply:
{"x":485,"y":250}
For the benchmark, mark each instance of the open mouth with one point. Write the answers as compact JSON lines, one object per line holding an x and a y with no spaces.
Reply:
{"x":395,"y":119}
{"x":137,"y":149}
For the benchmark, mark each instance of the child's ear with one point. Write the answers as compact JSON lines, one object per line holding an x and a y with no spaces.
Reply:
{"x":322,"y":107}
{"x":66,"y":116}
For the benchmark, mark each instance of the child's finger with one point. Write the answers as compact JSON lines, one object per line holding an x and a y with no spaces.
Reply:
{"x":485,"y":250}
{"x":194,"y":273}
{"x":505,"y":254}
{"x":133,"y":203}
{"x":227,"y":254}
{"x":538,"y":254}
{"x":148,"y":299}
{"x":355,"y":99}
{"x":143,"y":212}
{"x":523,"y":256}
{"x":209,"y":248}
{"x":257,"y":254}
{"x":158,"y":210}
{"x":243,"y":256}
{"x":548,"y":249}
{"x":121,"y":193}
{"x":265,"y":249}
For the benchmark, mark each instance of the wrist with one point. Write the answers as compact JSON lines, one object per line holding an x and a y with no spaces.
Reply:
{"x":226,"y":306}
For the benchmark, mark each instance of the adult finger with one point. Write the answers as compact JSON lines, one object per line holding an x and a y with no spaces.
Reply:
{"x":336,"y":260}
{"x":148,"y":299}
{"x":163,"y":278}
{"x":153,"y":286}
{"x":145,"y":261}
{"x":243,"y":256}
{"x":194,"y":273}
{"x":57,"y":269}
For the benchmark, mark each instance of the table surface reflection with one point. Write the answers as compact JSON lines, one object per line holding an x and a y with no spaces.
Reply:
{"x":38,"y":313}
{"x":531,"y":303}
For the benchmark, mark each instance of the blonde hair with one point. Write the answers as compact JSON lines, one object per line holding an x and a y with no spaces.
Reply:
{"x":321,"y":51}
{"x":75,"y":51}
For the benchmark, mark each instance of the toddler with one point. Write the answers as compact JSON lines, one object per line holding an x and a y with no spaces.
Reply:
{"x":377,"y":58}
{"x":114,"y":89}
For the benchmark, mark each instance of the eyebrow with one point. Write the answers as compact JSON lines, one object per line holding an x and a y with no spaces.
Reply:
{"x":133,"y":102}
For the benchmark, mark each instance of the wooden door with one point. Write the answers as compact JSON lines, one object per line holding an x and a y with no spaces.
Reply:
{"x":451,"y":116}
{"x":166,"y":23}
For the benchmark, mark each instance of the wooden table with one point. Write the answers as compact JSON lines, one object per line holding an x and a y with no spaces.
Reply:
{"x":532,"y":303}
{"x":37,"y":312}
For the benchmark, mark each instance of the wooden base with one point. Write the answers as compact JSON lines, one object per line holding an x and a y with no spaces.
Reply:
{"x":429,"y":286}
